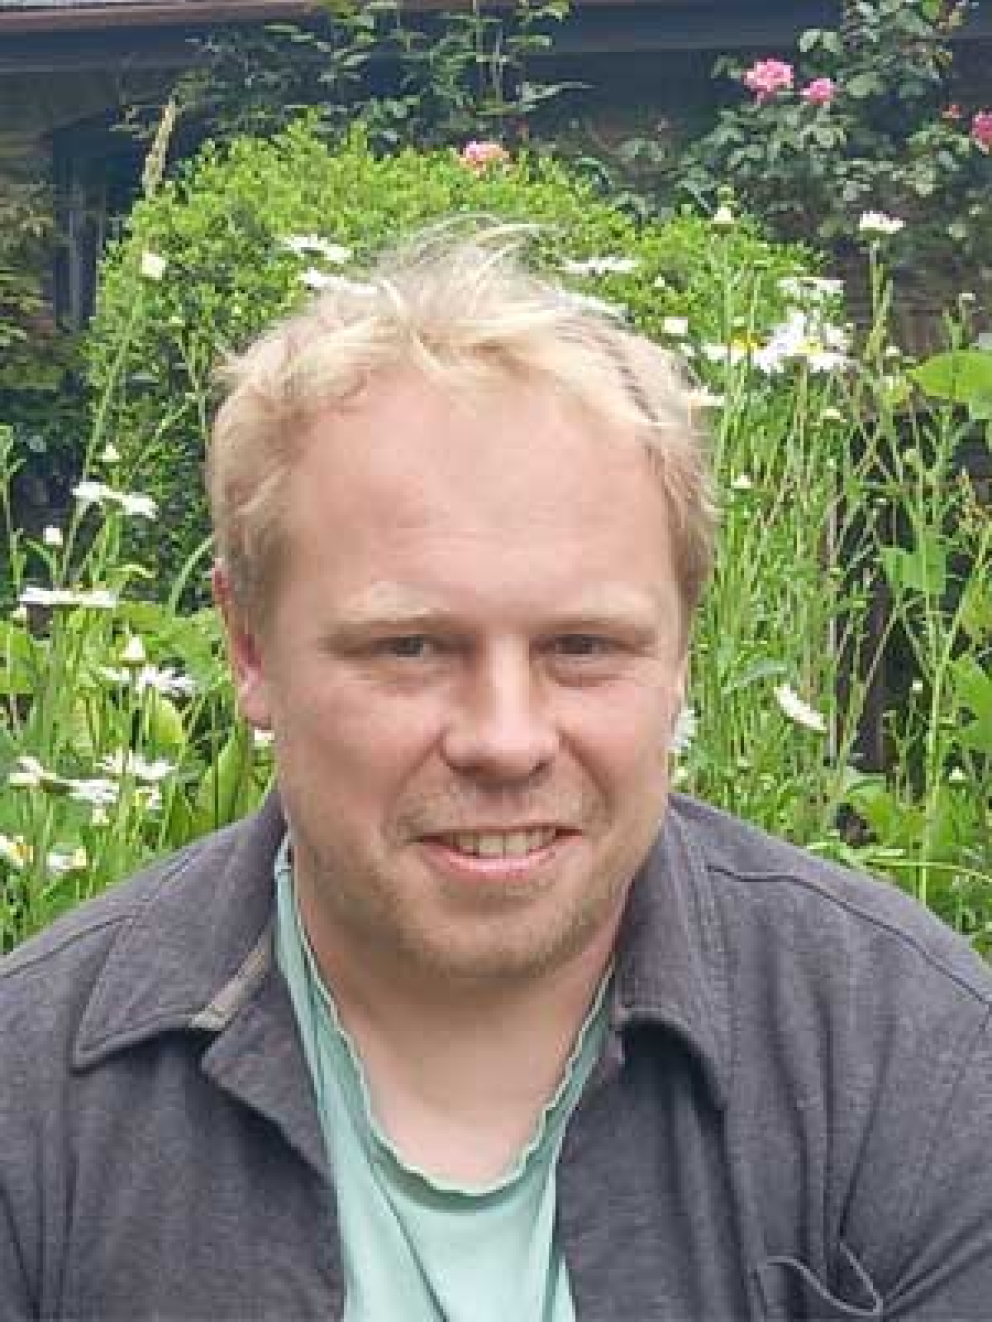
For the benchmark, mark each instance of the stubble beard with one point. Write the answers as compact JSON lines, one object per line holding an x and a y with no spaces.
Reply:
{"x":404,"y":922}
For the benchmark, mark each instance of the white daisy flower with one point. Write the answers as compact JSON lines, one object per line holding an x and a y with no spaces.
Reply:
{"x":820,"y":345}
{"x":95,"y":790}
{"x":600,"y":266}
{"x":723,"y":218}
{"x":738,"y":351}
{"x":877,"y":224}
{"x":60,"y":861}
{"x":122,"y":763}
{"x":684,"y":730}
{"x":92,"y":599}
{"x":170,"y":683}
{"x":29,"y":773}
{"x":303,"y":244}
{"x":132,"y":503}
{"x":796,"y":709}
{"x":15,"y":851}
{"x":90,"y":493}
{"x":318,"y":280}
{"x":98,"y":493}
{"x":814,"y":289}
{"x":152,"y":265}
{"x":133,"y":653}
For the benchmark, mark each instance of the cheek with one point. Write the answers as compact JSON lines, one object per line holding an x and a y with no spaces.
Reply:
{"x":362,"y":742}
{"x":624,"y":742}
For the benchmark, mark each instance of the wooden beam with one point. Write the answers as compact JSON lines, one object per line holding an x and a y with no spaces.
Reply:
{"x":594,"y":26}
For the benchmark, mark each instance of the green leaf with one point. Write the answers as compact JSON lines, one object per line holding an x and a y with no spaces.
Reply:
{"x":911,"y":572}
{"x":755,"y":674}
{"x":824,"y":38}
{"x":227,"y":790}
{"x":825,"y":136}
{"x":973,"y":690}
{"x":976,"y":609}
{"x":165,"y":723}
{"x":20,"y":660}
{"x":976,"y":735}
{"x":888,"y":818}
{"x":962,"y":376}
{"x":864,"y":85}
{"x":180,"y":823}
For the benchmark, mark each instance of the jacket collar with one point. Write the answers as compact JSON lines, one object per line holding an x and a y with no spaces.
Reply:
{"x":670,"y":963}
{"x":196,"y":946}
{"x":193,"y":954}
{"x":193,"y":944}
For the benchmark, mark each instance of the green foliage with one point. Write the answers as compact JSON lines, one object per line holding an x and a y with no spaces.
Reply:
{"x":846,"y":485}
{"x":889,"y":137}
{"x":223,"y":227}
{"x":428,"y":79}
{"x":963,"y":376}
{"x":118,"y":739}
{"x":39,"y":395}
{"x":837,"y":469}
{"x":25,"y":235}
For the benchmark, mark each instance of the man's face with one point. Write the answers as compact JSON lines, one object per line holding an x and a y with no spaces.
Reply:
{"x":471,"y":671}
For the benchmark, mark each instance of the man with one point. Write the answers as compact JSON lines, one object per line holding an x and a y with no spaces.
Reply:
{"x":472,"y":1023}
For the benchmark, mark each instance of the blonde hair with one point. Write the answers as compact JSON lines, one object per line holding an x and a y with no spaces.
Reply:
{"x":467,"y":313}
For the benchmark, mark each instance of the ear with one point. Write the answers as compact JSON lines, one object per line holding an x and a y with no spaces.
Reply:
{"x":244,"y":654}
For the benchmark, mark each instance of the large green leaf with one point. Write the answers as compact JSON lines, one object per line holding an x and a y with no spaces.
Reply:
{"x":923,"y":571}
{"x":963,"y":376}
{"x":976,"y":609}
{"x":972,"y":685}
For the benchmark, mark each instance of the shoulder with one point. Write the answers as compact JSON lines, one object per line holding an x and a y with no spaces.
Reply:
{"x":59,"y":965}
{"x":858,"y":1046}
{"x":799,"y":913}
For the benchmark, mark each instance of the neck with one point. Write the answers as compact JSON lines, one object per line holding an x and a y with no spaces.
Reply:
{"x":459,"y":1071}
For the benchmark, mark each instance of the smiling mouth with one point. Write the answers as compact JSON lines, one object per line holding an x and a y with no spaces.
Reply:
{"x":498,"y":844}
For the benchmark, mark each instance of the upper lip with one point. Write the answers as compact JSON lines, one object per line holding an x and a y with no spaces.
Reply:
{"x":515,"y":828}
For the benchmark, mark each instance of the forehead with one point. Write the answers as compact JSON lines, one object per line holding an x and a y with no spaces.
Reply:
{"x":513,"y":485}
{"x":403,"y":430}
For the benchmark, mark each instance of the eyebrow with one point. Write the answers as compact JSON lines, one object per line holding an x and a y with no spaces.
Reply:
{"x":387,"y":606}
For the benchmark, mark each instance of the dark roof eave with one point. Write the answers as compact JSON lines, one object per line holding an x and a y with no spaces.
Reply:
{"x":93,"y":17}
{"x":614,"y":27}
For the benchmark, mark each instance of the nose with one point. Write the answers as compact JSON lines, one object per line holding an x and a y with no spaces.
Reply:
{"x":501,"y":727}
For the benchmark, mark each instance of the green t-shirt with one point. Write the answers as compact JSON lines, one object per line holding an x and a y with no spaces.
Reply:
{"x":413,"y":1247}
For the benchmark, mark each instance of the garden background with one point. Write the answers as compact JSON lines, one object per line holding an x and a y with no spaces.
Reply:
{"x":818,"y":248}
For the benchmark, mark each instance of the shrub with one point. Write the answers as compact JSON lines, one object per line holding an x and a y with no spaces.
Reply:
{"x":39,"y":394}
{"x":837,"y":469}
{"x":863,"y":118}
{"x":222,"y":228}
{"x":414,"y":78}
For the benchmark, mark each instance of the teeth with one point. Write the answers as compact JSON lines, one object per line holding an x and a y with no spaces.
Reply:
{"x":509,"y":844}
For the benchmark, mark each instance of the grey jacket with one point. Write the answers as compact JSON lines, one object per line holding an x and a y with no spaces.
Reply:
{"x":791,"y":1118}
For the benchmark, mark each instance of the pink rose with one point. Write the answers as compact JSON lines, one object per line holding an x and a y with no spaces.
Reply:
{"x":767,"y":77}
{"x":820,"y":92}
{"x":477,"y":155}
{"x":981,"y":130}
